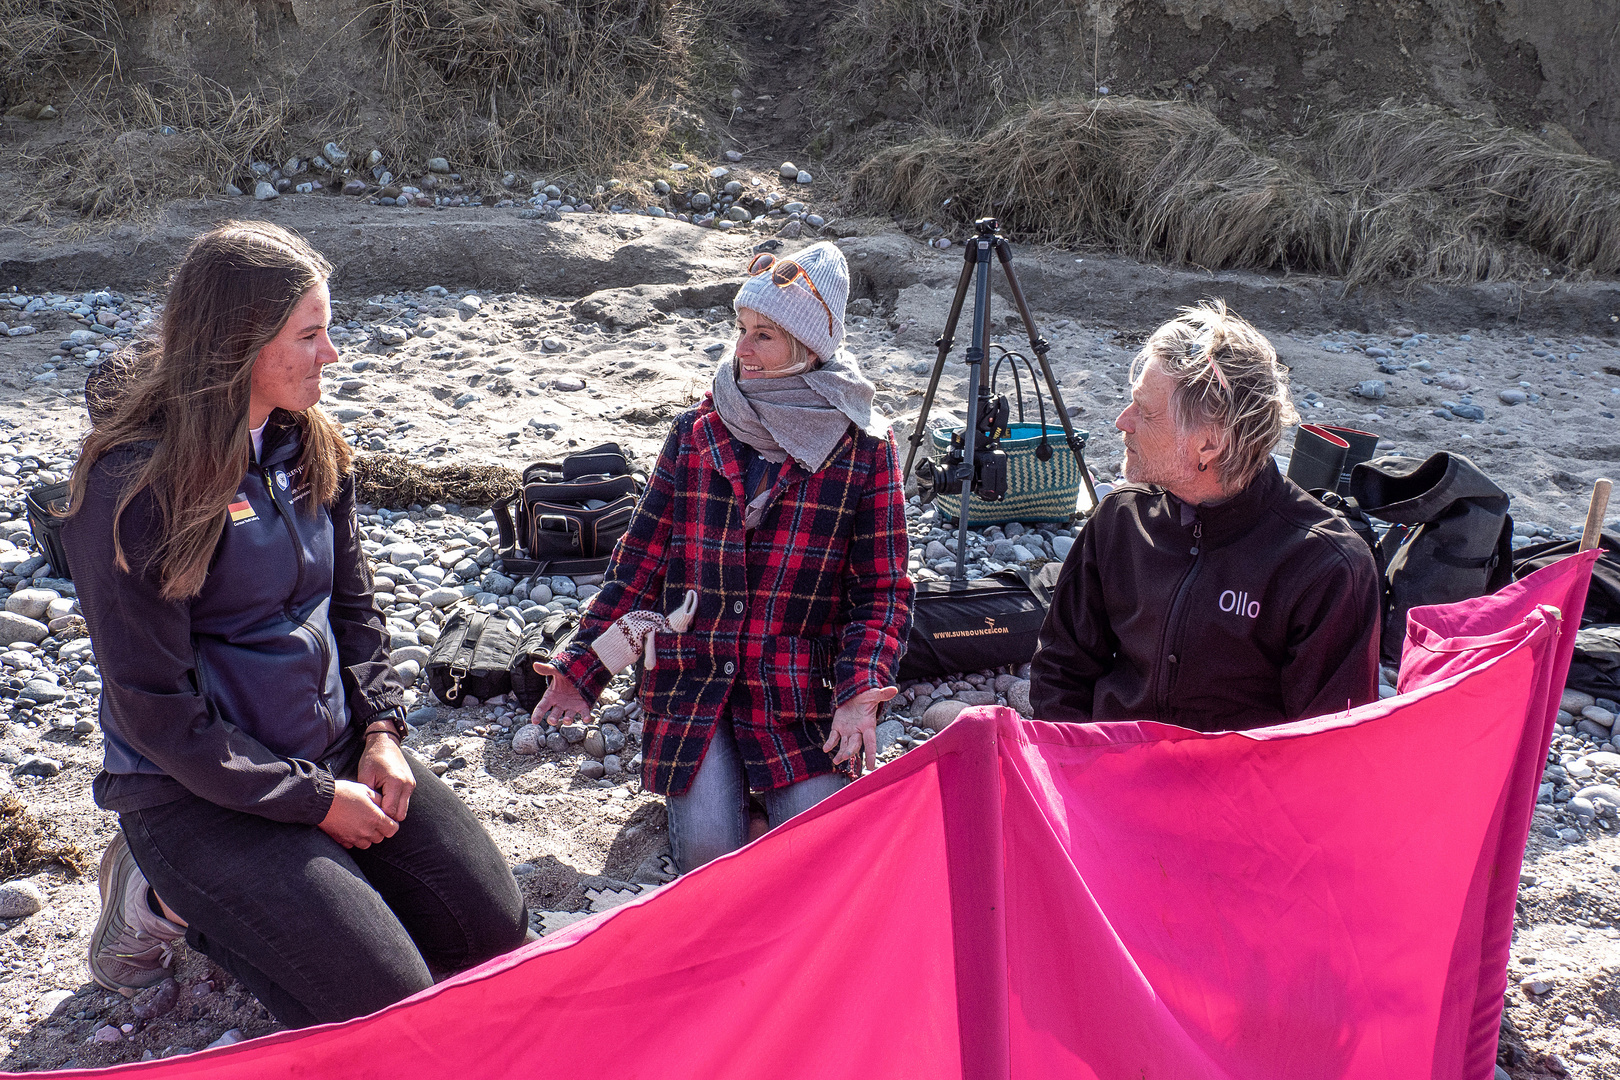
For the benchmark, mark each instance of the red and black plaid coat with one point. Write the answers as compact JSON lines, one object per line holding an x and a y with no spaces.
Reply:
{"x":794,"y":619}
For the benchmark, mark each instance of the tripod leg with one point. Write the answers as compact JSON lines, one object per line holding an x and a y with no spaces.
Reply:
{"x":977,"y":351}
{"x":920,"y":430}
{"x":1040,"y":347}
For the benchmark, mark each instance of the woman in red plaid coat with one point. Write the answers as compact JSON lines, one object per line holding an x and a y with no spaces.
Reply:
{"x":763,"y":577}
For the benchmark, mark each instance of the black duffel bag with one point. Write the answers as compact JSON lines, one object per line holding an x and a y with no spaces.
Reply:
{"x":1603,"y":597}
{"x":539,"y":643}
{"x":989,"y":622}
{"x":472,"y":658}
{"x":550,"y":525}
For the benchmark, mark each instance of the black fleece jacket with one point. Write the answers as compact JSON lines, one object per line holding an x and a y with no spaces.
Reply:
{"x":1256,"y":611}
{"x":256,"y":691}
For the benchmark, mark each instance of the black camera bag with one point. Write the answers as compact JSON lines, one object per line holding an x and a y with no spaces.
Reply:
{"x":988,"y":622}
{"x":46,"y":527}
{"x":472,"y":658}
{"x":539,"y":643}
{"x":555,"y":530}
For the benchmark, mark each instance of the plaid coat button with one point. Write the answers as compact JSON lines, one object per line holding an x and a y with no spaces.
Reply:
{"x":731,"y":669}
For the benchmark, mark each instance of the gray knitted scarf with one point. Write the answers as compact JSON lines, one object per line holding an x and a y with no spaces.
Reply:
{"x":798,"y":416}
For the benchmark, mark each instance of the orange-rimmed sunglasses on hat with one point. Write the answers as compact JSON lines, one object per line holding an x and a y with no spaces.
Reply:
{"x":784,"y":273}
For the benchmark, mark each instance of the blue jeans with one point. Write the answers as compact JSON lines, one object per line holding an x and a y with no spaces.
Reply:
{"x":319,"y":933}
{"x":711,"y":819}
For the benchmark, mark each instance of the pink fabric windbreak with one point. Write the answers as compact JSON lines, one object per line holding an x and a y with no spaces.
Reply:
{"x":1326,"y":899}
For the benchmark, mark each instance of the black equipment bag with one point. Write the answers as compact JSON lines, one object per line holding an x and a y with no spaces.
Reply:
{"x":557,"y":529}
{"x":1345,"y":509}
{"x":971,"y":625}
{"x":1450,"y":539}
{"x":539,"y":643}
{"x":472,"y":658}
{"x":47,"y":527}
{"x":1603,"y":598}
{"x":1595,"y":667}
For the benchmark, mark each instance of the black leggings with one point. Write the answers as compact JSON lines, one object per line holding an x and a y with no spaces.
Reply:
{"x":321,"y":933}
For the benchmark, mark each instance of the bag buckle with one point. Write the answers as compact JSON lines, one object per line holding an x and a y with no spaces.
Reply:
{"x":456,"y":675}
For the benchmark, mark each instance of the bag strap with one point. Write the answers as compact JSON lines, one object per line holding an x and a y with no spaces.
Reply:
{"x":502,"y":508}
{"x":461,"y":658}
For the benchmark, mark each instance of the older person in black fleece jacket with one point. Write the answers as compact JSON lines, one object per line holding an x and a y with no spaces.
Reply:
{"x":1208,"y":591}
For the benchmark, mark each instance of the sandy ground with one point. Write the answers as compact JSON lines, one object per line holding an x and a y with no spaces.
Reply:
{"x":531,"y":374}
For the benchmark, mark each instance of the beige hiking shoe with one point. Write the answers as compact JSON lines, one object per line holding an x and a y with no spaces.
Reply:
{"x":131,"y":948}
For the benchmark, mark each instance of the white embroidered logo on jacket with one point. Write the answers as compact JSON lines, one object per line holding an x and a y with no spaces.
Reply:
{"x":1238,"y":603}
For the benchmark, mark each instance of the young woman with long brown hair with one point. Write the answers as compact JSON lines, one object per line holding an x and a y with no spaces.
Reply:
{"x":251,"y":718}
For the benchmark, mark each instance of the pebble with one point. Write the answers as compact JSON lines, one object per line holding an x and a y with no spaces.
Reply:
{"x":527,"y":740}
{"x":888,"y":732}
{"x":805,"y":178}
{"x":1372,"y":389}
{"x":37,"y":765}
{"x":940,"y":714}
{"x":591,"y":769}
{"x":156,"y":1001}
{"x":20,"y":898}
{"x":1018,"y":698}
{"x":41,"y":692}
{"x":789,"y":171}
{"x":1598,"y":715}
{"x":264,"y":191}
{"x":15,"y":627}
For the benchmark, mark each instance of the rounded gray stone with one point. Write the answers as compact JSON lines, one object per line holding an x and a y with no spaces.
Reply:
{"x":37,"y":765}
{"x":1018,"y":698}
{"x":15,"y":627}
{"x":20,"y":898}
{"x":31,"y":603}
{"x":595,"y":745}
{"x":41,"y":691}
{"x":555,"y":742}
{"x":888,"y":732}
{"x":941,"y":714}
{"x":527,"y":740}
{"x":591,"y":769}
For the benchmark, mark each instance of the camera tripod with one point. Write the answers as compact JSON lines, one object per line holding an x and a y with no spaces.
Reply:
{"x":977,"y":464}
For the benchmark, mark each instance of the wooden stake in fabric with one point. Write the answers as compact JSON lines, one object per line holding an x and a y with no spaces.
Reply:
{"x":1594,"y":514}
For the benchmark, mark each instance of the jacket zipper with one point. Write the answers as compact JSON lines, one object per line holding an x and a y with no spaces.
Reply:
{"x":298,"y":581}
{"x":297,"y":544}
{"x":1173,"y":625}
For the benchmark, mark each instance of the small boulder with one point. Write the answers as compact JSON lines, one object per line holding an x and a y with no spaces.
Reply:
{"x":156,"y":1001}
{"x":1018,"y":698}
{"x":20,"y":898}
{"x":526,"y":741}
{"x":941,"y":714}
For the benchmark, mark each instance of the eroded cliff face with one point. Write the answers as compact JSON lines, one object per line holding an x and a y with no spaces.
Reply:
{"x":1275,"y":65}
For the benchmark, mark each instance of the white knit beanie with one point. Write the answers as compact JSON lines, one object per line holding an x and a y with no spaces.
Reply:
{"x":795,"y":308}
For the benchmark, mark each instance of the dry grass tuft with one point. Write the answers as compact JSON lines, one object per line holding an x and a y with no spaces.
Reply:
{"x":391,"y":481}
{"x":26,"y":846}
{"x":1152,"y":178}
{"x":174,"y":142}
{"x":562,"y":85}
{"x":38,"y":38}
{"x":1452,"y":198}
{"x":1396,"y":193}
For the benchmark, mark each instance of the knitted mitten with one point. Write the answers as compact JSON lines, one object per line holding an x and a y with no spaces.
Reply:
{"x":631,"y":635}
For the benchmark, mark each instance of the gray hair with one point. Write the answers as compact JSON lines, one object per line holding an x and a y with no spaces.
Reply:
{"x":1226,"y":375}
